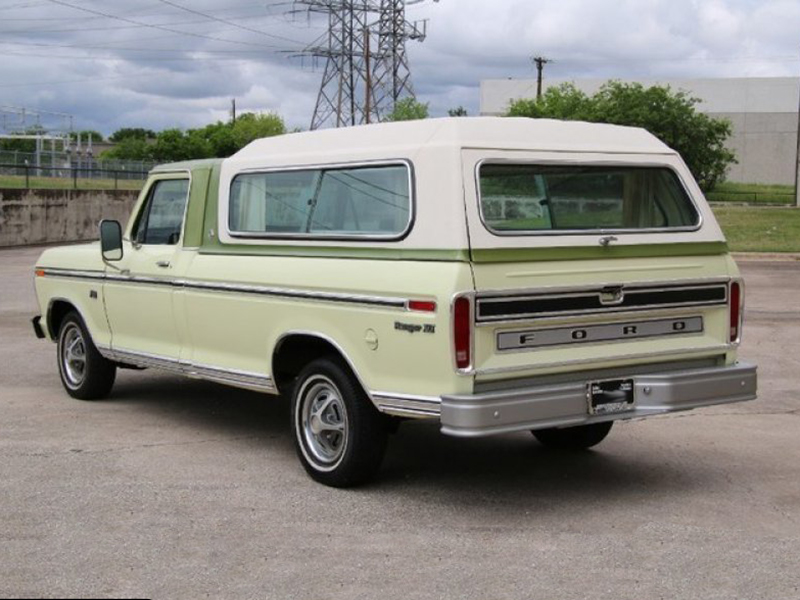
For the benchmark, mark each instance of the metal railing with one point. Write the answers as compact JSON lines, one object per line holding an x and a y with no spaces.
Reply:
{"x":77,"y":159}
{"x":752,"y":198}
{"x":40,"y":177}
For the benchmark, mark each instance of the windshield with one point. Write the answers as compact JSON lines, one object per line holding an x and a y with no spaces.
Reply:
{"x":519,"y":198}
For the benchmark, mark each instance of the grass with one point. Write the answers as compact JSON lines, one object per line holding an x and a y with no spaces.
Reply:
{"x":608,"y":218}
{"x":752,"y":193}
{"x":63,"y":183}
{"x":760,"y":229}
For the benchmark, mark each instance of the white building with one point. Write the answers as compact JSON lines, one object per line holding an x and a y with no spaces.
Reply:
{"x":763,"y":112}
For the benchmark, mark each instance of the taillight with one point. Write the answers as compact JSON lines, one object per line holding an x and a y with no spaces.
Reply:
{"x":462,"y":332}
{"x":736,"y":304}
{"x":421,"y":306}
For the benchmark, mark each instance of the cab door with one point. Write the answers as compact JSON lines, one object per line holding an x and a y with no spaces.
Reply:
{"x":139,"y":290}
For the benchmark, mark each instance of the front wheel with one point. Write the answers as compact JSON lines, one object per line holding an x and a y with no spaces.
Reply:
{"x":339,"y":435}
{"x":580,"y":437}
{"x":85,"y":373}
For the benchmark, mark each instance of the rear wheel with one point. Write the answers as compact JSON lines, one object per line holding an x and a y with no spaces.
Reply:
{"x":573,"y":438}
{"x":85,"y":374}
{"x":340,"y":436}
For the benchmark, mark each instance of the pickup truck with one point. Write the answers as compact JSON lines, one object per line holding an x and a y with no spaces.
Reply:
{"x":494,"y":274}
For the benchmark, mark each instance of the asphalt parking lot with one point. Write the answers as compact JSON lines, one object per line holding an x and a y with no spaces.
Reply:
{"x":183,"y":489}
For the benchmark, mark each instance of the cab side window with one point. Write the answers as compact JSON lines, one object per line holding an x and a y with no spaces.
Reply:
{"x":161,"y":218}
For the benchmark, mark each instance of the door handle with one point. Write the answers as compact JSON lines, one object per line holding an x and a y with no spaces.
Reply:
{"x":164,"y":264}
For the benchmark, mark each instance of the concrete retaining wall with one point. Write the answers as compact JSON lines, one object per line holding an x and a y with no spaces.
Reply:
{"x":52,"y":216}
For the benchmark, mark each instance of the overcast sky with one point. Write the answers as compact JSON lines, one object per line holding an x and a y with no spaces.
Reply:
{"x":105,"y":62}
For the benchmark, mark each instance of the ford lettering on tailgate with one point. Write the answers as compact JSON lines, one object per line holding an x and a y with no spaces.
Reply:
{"x":607,"y":332}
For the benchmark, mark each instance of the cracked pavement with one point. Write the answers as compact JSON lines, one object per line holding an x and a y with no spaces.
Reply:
{"x":176,"y":488}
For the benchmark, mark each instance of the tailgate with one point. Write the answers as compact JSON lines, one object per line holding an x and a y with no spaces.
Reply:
{"x":551,"y":317}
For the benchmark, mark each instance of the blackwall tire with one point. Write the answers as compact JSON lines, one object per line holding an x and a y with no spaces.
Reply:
{"x":85,"y":373}
{"x":340,"y":437}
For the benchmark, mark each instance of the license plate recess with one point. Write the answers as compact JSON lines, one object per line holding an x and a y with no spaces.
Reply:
{"x":610,"y":397}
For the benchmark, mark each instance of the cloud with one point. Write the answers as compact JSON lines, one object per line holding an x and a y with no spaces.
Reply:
{"x":112,"y":73}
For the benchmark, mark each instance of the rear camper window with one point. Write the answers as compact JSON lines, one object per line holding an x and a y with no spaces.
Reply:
{"x":368,"y":202}
{"x":527,"y":198}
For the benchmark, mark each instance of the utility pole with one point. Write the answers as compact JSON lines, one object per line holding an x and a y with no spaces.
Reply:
{"x":368,"y":83}
{"x":540,"y":62}
{"x":797,"y":159}
{"x":233,"y":111}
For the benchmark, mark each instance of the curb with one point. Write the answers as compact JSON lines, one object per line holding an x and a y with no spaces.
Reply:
{"x":766,"y":256}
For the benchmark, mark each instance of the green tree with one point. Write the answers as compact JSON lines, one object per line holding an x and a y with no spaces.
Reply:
{"x":130,"y":149}
{"x":174,"y":145}
{"x":96,"y":135}
{"x":251,"y":126}
{"x":563,"y":102}
{"x":137,"y":133}
{"x":408,"y":109}
{"x":214,"y":140}
{"x":220,"y":136}
{"x":670,"y":116}
{"x":459,"y":111}
{"x":17,"y":145}
{"x":10,"y":145}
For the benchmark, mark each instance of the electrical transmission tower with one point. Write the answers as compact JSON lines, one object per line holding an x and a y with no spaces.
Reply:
{"x":366,"y":65}
{"x":344,"y":80}
{"x":392,"y":72}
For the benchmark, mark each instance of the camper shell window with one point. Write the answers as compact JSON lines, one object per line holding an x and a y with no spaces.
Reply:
{"x":536,"y":199}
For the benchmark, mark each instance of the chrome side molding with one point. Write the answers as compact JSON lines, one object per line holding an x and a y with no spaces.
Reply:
{"x":242,"y":379}
{"x":401,"y":405}
{"x":404,"y":405}
{"x":226,"y":287}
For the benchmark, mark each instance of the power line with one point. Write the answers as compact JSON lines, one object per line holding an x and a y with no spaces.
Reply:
{"x":140,"y":38}
{"x":20,"y":120}
{"x":161,"y":27}
{"x":18,"y":6}
{"x":129,"y":49}
{"x":117,"y":58}
{"x":118,"y":27}
{"x":261,"y":6}
{"x":685,"y":59}
{"x":74,"y":81}
{"x":225,"y":21}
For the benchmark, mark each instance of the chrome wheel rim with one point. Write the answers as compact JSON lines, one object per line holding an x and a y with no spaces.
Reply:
{"x":73,"y":355}
{"x":323,"y":423}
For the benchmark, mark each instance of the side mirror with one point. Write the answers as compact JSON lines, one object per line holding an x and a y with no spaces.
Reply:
{"x":111,"y":240}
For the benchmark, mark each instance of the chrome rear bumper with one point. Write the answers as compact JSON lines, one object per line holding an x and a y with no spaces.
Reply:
{"x":566,"y":404}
